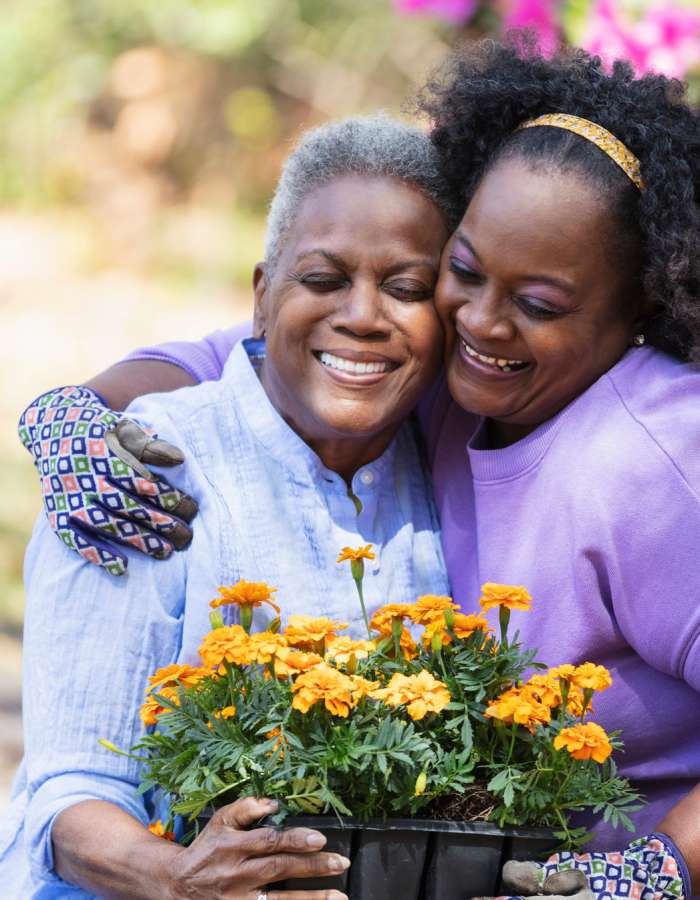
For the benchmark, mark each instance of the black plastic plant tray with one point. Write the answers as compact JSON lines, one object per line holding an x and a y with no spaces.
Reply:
{"x":420,"y":859}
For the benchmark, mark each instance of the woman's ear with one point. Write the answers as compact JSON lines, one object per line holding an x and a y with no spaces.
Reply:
{"x":259,"y":291}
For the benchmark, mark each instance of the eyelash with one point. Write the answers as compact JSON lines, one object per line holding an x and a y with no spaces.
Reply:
{"x":532,"y":310}
{"x":323,"y":284}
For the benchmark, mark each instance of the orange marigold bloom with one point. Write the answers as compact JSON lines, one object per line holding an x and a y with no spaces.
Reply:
{"x":152,"y":707}
{"x":544,"y":689}
{"x":280,"y":743}
{"x":420,"y":694}
{"x":158,"y":829}
{"x":229,"y":643}
{"x":574,"y":701}
{"x":384,"y":617}
{"x":431,"y":607}
{"x":227,"y":712}
{"x":518,"y":706}
{"x":463,"y":626}
{"x":565,"y":672}
{"x":589,"y":676}
{"x":504,"y":595}
{"x":264,"y":645}
{"x":324,"y":683}
{"x":246,"y":593}
{"x":176,"y":674}
{"x":307,"y":632}
{"x":291,"y":662}
{"x":347,"y":553}
{"x":361,"y":687}
{"x":587,"y":741}
{"x":342,"y":648}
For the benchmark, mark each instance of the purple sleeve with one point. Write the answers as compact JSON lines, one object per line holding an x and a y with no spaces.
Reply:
{"x":204,"y":360}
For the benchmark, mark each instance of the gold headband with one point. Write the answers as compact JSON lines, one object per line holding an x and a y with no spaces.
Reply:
{"x":597,"y":135}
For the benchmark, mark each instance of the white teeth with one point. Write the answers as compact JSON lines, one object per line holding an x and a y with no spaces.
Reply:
{"x":355,"y":368}
{"x":503,"y":364}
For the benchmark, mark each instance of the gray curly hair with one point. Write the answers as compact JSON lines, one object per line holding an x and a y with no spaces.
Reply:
{"x":375,"y":146}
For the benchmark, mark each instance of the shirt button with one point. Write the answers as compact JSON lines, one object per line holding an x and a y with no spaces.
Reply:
{"x":367,"y":477}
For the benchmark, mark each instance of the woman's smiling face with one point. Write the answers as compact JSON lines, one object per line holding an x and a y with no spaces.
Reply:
{"x":352,"y":335}
{"x":531,"y":297}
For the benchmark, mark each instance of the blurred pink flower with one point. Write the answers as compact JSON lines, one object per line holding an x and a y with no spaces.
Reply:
{"x":541,"y":16}
{"x":456,"y":11}
{"x":664,"y":39}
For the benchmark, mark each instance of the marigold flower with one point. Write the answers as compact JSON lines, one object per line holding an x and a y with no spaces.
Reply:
{"x":176,"y":674}
{"x":324,"y":683}
{"x":383,"y":619}
{"x":507,"y":596}
{"x":591,"y":677}
{"x":544,"y":689}
{"x":263,"y":645}
{"x":361,"y":687}
{"x":342,"y":648}
{"x":431,"y":607}
{"x":227,"y":712}
{"x":292,"y":662}
{"x":152,"y":707}
{"x":574,"y":701}
{"x":566,"y":672}
{"x":420,"y":694}
{"x":229,"y":643}
{"x":463,"y":626}
{"x":347,"y":553}
{"x":308,"y":633}
{"x":158,"y":829}
{"x":246,"y":593}
{"x":280,"y":743}
{"x":518,"y":706}
{"x":587,"y":741}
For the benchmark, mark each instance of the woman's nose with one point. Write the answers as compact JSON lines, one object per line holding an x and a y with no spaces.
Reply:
{"x":362,"y":311}
{"x":486,"y":317}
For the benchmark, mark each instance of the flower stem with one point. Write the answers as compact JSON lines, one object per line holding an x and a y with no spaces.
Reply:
{"x":503,"y":620}
{"x":358,"y":571}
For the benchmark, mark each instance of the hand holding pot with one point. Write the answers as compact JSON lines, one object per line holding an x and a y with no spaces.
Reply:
{"x":651,"y":866}
{"x":229,"y":862}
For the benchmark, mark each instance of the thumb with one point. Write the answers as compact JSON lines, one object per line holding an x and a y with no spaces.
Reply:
{"x":145,"y":448}
{"x":246,"y":812}
{"x":522,"y":878}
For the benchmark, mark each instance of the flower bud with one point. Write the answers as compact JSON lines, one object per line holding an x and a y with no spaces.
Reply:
{"x":436,"y":642}
{"x":216,"y":619}
{"x":449,"y":618}
{"x":421,"y":784}
{"x":275,"y":625}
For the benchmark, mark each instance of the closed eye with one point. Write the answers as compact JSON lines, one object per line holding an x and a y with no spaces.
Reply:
{"x":464,"y":273}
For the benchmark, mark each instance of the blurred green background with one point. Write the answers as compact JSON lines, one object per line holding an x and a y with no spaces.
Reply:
{"x":139,"y":144}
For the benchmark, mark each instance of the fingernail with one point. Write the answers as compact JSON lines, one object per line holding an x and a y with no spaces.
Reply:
{"x":340,"y":864}
{"x":315,"y":840}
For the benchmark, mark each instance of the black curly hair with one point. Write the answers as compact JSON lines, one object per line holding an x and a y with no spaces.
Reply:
{"x":476,"y":101}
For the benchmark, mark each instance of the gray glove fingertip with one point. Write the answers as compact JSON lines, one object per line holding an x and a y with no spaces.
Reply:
{"x":161,"y":453}
{"x":114,"y":441}
{"x":522,"y":877}
{"x":569,"y":882}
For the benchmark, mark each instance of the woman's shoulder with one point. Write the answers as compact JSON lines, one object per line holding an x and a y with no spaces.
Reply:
{"x":658,"y":399}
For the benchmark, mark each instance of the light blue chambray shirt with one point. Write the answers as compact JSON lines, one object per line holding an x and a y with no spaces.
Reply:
{"x":269,"y":511}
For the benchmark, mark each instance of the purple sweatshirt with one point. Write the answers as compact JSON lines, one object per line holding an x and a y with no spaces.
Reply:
{"x":597,"y":513}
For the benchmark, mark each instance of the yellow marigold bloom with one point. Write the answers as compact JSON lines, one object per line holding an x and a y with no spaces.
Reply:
{"x":176,"y":674}
{"x":384,"y":617}
{"x":227,"y":712}
{"x":566,"y":672}
{"x":280,"y":743}
{"x":431,"y":607}
{"x":229,"y":643}
{"x":158,"y":829}
{"x":574,"y":701}
{"x":347,"y":553}
{"x":463,"y":626}
{"x":517,"y":706}
{"x":307,"y":632}
{"x":509,"y":596}
{"x":152,"y":708}
{"x":587,"y":741}
{"x":324,"y":683}
{"x":246,"y":593}
{"x":264,"y":645}
{"x":361,"y":687}
{"x":545,"y":690}
{"x":291,"y":662}
{"x":420,"y":694}
{"x":342,"y":648}
{"x":589,"y":676}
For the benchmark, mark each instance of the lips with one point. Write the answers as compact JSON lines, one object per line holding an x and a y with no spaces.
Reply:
{"x":496,"y":363}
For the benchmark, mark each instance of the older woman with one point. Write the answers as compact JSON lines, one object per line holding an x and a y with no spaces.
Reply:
{"x":300,"y":448}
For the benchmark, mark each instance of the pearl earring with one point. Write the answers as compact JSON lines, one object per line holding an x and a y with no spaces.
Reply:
{"x":639,"y":340}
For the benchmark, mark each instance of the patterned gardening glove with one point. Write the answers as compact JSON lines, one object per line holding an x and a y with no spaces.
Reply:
{"x":94,"y":481}
{"x":651,"y":868}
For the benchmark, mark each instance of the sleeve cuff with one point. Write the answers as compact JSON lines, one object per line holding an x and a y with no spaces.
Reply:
{"x":673,"y":851}
{"x":59,"y":793}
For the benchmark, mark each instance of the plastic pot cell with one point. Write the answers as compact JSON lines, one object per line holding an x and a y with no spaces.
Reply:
{"x":420,"y":859}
